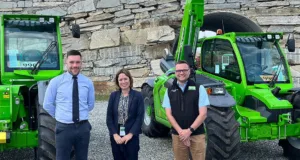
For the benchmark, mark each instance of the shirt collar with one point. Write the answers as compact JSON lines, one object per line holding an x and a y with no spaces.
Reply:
{"x":69,"y":75}
{"x":182,"y":86}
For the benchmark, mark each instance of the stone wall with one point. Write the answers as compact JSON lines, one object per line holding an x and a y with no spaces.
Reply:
{"x":134,"y":33}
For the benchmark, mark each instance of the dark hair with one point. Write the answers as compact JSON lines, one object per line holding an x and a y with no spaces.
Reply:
{"x":182,"y":62}
{"x":127,"y":73}
{"x":73,"y":53}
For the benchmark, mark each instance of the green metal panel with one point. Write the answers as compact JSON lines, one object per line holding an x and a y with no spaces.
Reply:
{"x":191,"y":21}
{"x":14,"y":115}
{"x":21,"y":139}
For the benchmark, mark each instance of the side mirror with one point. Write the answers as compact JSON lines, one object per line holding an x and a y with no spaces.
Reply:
{"x":75,"y":31}
{"x":290,"y":44}
{"x":188,"y":56}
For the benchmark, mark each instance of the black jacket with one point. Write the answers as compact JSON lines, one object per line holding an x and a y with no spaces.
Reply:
{"x":184,"y":105}
{"x":135,"y":118}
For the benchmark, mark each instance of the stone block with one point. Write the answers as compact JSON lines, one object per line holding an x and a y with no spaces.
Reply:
{"x":91,"y":29}
{"x":100,"y":79}
{"x":155,"y":67}
{"x":82,"y":6}
{"x":105,"y":38}
{"x":125,"y":12}
{"x":100,"y":17}
{"x":142,"y":15}
{"x":131,"y":6}
{"x":135,"y":66}
{"x":135,"y":1}
{"x":120,"y":52}
{"x":57,"y":11}
{"x":5,"y":5}
{"x":286,"y":29}
{"x":222,"y":6}
{"x":156,"y":51}
{"x":133,"y":60}
{"x":123,"y":19}
{"x":143,"y":9}
{"x":278,"y":20}
{"x":138,"y":73}
{"x":108,"y":3}
{"x":91,"y":24}
{"x":75,"y":43}
{"x":114,"y":9}
{"x":96,"y":12}
{"x":273,"y":4}
{"x":102,"y":63}
{"x":76,"y":16}
{"x":149,"y":3}
{"x":165,"y":1}
{"x":47,"y":4}
{"x":160,"y":34}
{"x":106,"y":71}
{"x":134,"y":36}
{"x":89,"y":55}
{"x":215,"y":1}
{"x":22,"y":4}
{"x":138,"y":82}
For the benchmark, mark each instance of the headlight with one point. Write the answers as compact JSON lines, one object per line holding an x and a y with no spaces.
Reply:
{"x":218,"y":90}
{"x":51,"y":20}
{"x":277,"y":37}
{"x":215,"y":90}
{"x":269,"y":37}
{"x":42,"y":20}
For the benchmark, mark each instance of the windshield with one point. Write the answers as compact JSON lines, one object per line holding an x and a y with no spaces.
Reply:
{"x":25,"y":42}
{"x":262,"y":60}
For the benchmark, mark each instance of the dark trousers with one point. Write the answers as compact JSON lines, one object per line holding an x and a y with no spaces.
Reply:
{"x":127,"y":151}
{"x":68,"y":136}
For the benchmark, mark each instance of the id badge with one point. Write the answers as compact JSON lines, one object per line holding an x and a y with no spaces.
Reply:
{"x":122,"y":131}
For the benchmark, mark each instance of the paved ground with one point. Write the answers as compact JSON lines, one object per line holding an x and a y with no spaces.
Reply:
{"x":151,"y":149}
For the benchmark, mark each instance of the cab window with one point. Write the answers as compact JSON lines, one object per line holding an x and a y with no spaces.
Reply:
{"x":219,"y":59}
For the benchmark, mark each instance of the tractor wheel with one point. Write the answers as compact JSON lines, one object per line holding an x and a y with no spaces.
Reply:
{"x":223,"y":138}
{"x":46,"y":135}
{"x":150,"y":127}
{"x":291,"y":148}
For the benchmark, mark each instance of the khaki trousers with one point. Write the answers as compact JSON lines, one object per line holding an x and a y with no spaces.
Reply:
{"x":197,"y":148}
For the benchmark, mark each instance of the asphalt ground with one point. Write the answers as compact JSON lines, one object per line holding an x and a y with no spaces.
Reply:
{"x":151,"y":148}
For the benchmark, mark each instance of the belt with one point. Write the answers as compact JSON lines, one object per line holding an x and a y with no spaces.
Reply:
{"x":80,"y":122}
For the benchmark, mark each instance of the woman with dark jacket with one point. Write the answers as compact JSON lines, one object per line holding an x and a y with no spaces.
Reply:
{"x":125,"y":114}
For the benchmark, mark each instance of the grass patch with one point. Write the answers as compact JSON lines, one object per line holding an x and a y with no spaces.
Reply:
{"x":102,"y":97}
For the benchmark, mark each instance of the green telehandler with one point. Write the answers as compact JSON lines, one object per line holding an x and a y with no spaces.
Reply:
{"x":249,"y":83}
{"x":31,"y":54}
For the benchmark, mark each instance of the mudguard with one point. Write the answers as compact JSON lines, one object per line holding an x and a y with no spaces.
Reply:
{"x":42,"y":86}
{"x":149,"y":81}
{"x":221,"y":100}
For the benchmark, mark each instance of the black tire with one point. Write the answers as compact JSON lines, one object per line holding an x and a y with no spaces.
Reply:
{"x":289,"y":150}
{"x":223,"y":138}
{"x":46,"y":137}
{"x":150,"y":127}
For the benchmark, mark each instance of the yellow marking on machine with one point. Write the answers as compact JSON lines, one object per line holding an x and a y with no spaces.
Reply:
{"x":5,"y":96}
{"x":3,"y":137}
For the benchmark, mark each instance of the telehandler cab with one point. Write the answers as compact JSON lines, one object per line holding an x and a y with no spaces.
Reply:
{"x":249,"y":84}
{"x":30,"y":54}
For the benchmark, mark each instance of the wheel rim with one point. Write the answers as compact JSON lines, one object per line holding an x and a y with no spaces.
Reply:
{"x":147,"y":117}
